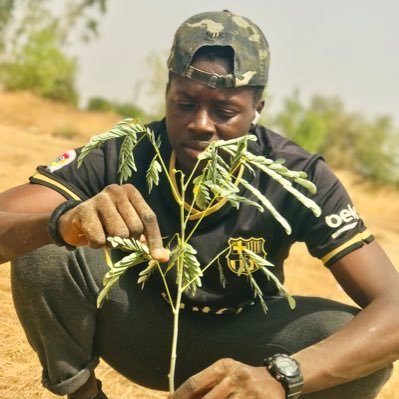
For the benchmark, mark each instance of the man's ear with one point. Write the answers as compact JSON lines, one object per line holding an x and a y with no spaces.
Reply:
{"x":258,"y":110}
{"x":260,"y":105}
{"x":256,"y":118}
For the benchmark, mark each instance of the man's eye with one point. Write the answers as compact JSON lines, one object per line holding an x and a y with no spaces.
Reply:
{"x":226,"y":113}
{"x":186,"y":106}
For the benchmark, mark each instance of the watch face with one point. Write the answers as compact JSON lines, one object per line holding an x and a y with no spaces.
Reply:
{"x":287,"y":366}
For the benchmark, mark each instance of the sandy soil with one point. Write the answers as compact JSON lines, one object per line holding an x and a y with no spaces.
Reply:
{"x":34,"y":132}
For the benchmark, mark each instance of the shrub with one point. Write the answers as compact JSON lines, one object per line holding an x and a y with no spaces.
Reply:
{"x":124,"y":109}
{"x":66,"y":132}
{"x":347,"y":140}
{"x":41,"y":67}
{"x":99,"y":104}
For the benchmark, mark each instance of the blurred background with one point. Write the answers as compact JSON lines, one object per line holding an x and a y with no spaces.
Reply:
{"x":70,"y":69}
{"x":334,"y":79}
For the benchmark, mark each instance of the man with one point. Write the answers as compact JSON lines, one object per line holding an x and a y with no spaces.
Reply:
{"x":227,"y":346}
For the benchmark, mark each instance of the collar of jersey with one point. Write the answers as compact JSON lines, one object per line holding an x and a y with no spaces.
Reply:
{"x":195,"y":213}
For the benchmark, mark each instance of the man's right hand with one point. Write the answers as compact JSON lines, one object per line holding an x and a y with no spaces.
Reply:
{"x":115,"y":211}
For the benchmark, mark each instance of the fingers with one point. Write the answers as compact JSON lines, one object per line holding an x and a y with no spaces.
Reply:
{"x":204,"y":382}
{"x":150,"y":225}
{"x":116,"y":211}
{"x":130,"y":219}
{"x":89,"y":226}
{"x":228,"y":378}
{"x":224,"y":389}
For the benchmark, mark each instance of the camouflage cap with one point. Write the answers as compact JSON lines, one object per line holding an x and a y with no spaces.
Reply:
{"x":222,"y":28}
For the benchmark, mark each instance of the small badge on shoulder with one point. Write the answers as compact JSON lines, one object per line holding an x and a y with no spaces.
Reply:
{"x":61,"y":161}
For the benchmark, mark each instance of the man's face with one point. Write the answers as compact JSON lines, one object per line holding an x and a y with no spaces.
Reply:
{"x":197,"y":114}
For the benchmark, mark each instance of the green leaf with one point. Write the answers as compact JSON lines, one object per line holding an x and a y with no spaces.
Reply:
{"x":241,"y":148}
{"x":281,"y":288}
{"x":222,"y":277}
{"x":257,"y":291}
{"x":307,"y":184}
{"x":201,"y":193}
{"x":124,"y":128}
{"x":258,"y":260}
{"x":152,"y":175}
{"x":192,"y":272}
{"x":128,"y":244}
{"x":104,"y":292}
{"x":139,"y":254}
{"x":130,"y":260}
{"x":174,"y":256}
{"x":263,"y":265}
{"x":286,"y":184}
{"x":126,"y":158}
{"x":268,"y":205}
{"x":145,"y":274}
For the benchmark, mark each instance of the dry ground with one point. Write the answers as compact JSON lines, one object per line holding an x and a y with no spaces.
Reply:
{"x":34,"y":132}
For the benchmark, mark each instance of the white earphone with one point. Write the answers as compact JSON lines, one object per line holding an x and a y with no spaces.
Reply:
{"x":256,"y":118}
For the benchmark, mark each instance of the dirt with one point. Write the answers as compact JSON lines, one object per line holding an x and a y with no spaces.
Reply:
{"x":34,"y":131}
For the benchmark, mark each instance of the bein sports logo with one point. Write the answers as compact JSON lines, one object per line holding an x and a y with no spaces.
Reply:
{"x":347,"y":218}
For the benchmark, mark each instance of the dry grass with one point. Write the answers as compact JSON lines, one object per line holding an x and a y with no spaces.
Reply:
{"x":26,"y":124}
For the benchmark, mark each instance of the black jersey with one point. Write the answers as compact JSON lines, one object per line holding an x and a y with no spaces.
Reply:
{"x":338,"y":231}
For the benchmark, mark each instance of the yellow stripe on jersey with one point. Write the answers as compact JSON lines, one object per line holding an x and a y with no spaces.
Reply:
{"x":356,"y":239}
{"x":57,"y":185}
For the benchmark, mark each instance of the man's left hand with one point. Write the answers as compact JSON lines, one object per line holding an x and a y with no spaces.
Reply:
{"x":228,"y":378}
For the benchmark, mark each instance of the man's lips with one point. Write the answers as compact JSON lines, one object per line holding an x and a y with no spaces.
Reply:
{"x":194,"y":148}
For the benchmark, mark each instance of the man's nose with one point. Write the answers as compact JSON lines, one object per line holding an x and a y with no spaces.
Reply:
{"x":202,"y":122}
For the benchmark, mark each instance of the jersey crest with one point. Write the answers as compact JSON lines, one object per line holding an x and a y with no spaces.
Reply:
{"x":236,"y":257}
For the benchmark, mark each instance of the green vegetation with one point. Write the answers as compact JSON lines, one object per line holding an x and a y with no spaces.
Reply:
{"x":124,"y":109}
{"x":217,"y":180}
{"x":66,"y":131}
{"x":347,"y":140}
{"x":41,"y":67}
{"x":34,"y":57}
{"x":33,"y":45}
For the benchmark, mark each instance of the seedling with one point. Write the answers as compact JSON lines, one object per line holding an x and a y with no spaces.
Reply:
{"x":217,"y":175}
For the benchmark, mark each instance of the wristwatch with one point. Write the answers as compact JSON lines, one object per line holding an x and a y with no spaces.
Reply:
{"x":287,"y":371}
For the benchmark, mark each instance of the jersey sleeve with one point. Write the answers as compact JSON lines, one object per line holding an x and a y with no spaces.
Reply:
{"x":98,"y":170}
{"x":64,"y":176}
{"x":340,"y":229}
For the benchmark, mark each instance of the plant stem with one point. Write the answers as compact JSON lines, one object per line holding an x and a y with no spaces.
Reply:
{"x":166,"y":287}
{"x":195,"y":195}
{"x":207,"y":266}
{"x":176,"y":311}
{"x":185,"y":186}
{"x":165,"y":169}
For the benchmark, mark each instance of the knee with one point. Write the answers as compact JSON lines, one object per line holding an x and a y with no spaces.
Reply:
{"x":330,"y":320}
{"x":37,"y":269}
{"x":318,"y":319}
{"x":51,"y":271}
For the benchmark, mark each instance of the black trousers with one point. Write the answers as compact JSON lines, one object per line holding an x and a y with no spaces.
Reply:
{"x":55,"y":295}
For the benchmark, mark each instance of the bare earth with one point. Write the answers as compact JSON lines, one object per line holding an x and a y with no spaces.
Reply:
{"x":27,"y":127}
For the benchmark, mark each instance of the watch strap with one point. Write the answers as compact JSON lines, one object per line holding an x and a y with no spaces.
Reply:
{"x":292,"y":383}
{"x":52,"y":226}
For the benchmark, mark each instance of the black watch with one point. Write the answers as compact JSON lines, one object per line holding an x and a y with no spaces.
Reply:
{"x":287,"y":371}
